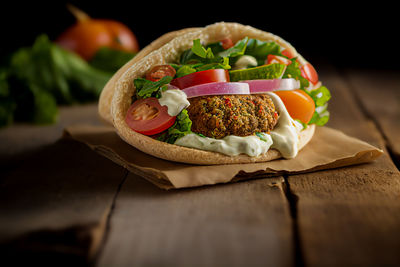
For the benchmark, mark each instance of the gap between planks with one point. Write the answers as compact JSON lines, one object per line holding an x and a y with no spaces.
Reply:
{"x":93,"y":257}
{"x":388,"y":86}
{"x":150,"y":225}
{"x":349,"y":216}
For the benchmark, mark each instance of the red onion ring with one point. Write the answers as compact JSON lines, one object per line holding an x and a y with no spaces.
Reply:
{"x":262,"y":86}
{"x":217,"y":88}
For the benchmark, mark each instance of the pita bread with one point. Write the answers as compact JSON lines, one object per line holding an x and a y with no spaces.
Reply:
{"x":168,"y":53}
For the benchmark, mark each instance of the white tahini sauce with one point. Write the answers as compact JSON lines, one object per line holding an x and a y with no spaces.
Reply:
{"x":285,"y":135}
{"x":175,"y":100}
{"x":284,"y":138}
{"x":229,"y":145}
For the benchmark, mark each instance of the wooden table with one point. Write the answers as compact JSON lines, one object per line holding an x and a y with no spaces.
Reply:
{"x":63,"y":204}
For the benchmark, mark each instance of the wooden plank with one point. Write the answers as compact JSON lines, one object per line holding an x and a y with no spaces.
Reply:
{"x":56,"y":196}
{"x":240,"y":224}
{"x":19,"y":139}
{"x":57,"y":203}
{"x":378,"y":92}
{"x":349,"y":216}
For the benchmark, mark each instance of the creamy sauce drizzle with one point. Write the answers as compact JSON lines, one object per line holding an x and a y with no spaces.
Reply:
{"x":229,"y":145}
{"x":284,"y":138}
{"x":175,"y":100}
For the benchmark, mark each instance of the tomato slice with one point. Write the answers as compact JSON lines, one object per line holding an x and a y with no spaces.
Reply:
{"x":227,"y":43}
{"x":298,"y":103}
{"x":278,"y":59}
{"x":200,"y":77}
{"x":308,"y":72}
{"x":160,"y":71}
{"x":287,"y":53}
{"x":148,"y":117}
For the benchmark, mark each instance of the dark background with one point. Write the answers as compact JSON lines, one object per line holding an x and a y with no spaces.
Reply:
{"x":346,"y":34}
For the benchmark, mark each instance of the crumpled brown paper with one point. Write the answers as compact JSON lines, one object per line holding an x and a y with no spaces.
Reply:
{"x":328,"y":149}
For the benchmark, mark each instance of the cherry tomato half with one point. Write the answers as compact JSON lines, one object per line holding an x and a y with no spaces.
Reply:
{"x":148,"y":117}
{"x":278,"y":59}
{"x":160,"y":71}
{"x":205,"y":76}
{"x":287,"y":53}
{"x":227,"y":43}
{"x":308,"y":72}
{"x":298,"y":103}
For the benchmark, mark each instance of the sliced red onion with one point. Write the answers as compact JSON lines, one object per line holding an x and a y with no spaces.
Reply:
{"x":217,"y":88}
{"x":289,"y":84}
{"x":262,"y":86}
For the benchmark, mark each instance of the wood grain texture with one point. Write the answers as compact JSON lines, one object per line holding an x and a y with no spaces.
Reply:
{"x":55,"y":196}
{"x":21,"y":138}
{"x":350,"y":216}
{"x":378,"y":93}
{"x":240,"y":224}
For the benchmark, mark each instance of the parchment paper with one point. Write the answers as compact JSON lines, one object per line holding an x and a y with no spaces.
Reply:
{"x":328,"y":149}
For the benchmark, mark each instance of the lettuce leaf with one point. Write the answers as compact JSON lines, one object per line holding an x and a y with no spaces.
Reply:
{"x":260,"y":50}
{"x":237,"y":50}
{"x":321,"y":96}
{"x":185,"y":70}
{"x":213,"y":56}
{"x":146,"y":88}
{"x":293,"y":71}
{"x":201,"y":51}
{"x":181,"y":127}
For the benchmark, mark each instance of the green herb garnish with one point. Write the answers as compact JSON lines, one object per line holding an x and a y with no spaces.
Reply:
{"x":261,"y":136}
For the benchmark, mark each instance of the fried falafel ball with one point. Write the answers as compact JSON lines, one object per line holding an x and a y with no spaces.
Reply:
{"x":241,"y":115}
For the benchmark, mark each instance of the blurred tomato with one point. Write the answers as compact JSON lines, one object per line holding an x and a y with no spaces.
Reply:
{"x":88,"y":35}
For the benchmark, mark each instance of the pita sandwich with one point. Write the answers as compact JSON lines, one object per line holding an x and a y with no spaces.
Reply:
{"x":116,"y":99}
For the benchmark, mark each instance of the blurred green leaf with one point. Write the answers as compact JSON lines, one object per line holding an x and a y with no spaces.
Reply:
{"x":111,"y":60}
{"x":37,"y":79}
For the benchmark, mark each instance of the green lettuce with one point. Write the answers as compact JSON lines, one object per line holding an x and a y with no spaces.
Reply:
{"x":213,"y":56}
{"x":260,"y":50}
{"x":181,"y":127}
{"x":321,"y":96}
{"x":293,"y":71}
{"x":146,"y":88}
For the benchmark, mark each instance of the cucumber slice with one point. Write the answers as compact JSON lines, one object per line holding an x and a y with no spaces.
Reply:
{"x":271,"y":71}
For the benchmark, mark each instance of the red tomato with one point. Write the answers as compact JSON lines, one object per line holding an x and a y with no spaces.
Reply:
{"x":87,"y":35}
{"x":271,"y":59}
{"x":148,"y":117}
{"x":287,"y":53}
{"x":308,"y":72}
{"x":298,"y":103}
{"x":205,"y":76}
{"x":227,"y":43}
{"x":159,"y":71}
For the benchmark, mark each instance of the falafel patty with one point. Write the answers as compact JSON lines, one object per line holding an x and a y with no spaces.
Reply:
{"x":241,"y":115}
